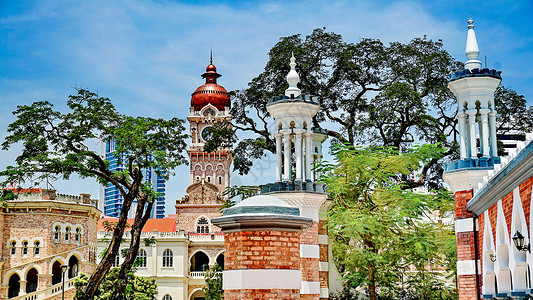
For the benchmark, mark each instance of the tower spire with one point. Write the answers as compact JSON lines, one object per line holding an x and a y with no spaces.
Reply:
{"x":211,"y":57}
{"x":472,"y":50}
{"x":293,"y":78}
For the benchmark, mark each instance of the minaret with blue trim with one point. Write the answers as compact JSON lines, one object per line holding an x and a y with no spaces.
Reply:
{"x":474,"y":88}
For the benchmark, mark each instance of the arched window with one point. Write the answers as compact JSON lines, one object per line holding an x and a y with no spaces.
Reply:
{"x":167,"y":297}
{"x":31,"y":281}
{"x":14,"y":286}
{"x":56,"y":272}
{"x":168,"y":259}
{"x":72,"y":267}
{"x":116,"y":261}
{"x":219,"y":180}
{"x":57,"y":234}
{"x":36,"y":248}
{"x":220,"y":260}
{"x":202,"y":225}
{"x":25,"y":248}
{"x":199,"y":261}
{"x":13,"y":248}
{"x":77,"y":236}
{"x":141,"y":258}
{"x":67,"y":235}
{"x":208,"y":178}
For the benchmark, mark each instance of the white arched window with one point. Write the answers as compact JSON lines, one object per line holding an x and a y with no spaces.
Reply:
{"x":141,"y":258}
{"x":167,"y":297}
{"x":77,"y":236}
{"x":13,"y":248}
{"x":25,"y":248}
{"x":202,"y":225}
{"x":116,"y":261}
{"x":36,"y":248}
{"x":57,"y":234}
{"x":168,"y":260}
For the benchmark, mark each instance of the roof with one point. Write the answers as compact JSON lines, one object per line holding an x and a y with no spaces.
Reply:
{"x":161,"y":225}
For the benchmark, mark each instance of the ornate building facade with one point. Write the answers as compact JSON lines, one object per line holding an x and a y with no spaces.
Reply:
{"x":43,"y":235}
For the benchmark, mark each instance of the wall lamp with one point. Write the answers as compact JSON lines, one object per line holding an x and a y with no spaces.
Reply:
{"x":492,"y":257}
{"x":519,"y":242}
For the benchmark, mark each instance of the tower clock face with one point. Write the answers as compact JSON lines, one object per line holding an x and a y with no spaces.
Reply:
{"x":204,"y":133}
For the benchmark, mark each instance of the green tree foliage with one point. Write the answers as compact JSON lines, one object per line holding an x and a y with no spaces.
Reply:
{"x":55,"y":144}
{"x":381,"y":227}
{"x":213,"y":283}
{"x":138,"y":288}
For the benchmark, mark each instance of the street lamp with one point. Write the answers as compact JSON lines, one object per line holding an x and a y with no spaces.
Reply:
{"x":519,"y":242}
{"x":63,"y":270}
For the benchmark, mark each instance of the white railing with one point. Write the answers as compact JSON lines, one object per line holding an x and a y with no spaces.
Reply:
{"x":197,"y":274}
{"x":47,"y":292}
{"x":219,"y":237}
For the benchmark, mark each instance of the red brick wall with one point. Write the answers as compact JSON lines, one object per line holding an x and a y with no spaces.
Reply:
{"x":467,"y":287}
{"x":262,"y":250}
{"x":465,"y":246}
{"x":461,"y":198}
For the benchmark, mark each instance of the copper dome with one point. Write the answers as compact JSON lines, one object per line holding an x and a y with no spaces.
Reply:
{"x":211,"y":92}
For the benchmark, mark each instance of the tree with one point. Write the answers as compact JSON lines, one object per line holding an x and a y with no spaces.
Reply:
{"x":138,"y":288}
{"x":54,"y":144}
{"x":213,"y":283}
{"x":381,"y":227}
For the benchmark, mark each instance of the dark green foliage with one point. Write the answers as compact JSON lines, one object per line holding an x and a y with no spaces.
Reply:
{"x":213,"y":283}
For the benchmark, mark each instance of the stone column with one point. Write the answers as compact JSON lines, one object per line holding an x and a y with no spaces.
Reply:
{"x":472,"y":122}
{"x":22,"y":290}
{"x":279,"y":154}
{"x":262,"y":249}
{"x":462,"y":135}
{"x":287,"y":156}
{"x":485,"y":130}
{"x":493,"y":138}
{"x":308,"y":154}
{"x":298,"y":150}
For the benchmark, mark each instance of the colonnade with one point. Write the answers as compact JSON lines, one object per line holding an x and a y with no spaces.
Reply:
{"x":303,"y":148}
{"x":484,"y":128}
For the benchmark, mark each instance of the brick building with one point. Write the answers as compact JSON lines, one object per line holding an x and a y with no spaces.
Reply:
{"x":41,"y":232}
{"x":492,"y":194}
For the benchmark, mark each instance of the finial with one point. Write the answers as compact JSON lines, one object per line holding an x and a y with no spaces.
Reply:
{"x":293,"y":78}
{"x":472,"y":50}
{"x":211,"y":57}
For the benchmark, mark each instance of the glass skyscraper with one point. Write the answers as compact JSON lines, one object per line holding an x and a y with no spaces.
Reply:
{"x":112,"y":199}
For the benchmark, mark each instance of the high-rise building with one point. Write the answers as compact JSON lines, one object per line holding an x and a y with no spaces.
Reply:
{"x":112,"y":199}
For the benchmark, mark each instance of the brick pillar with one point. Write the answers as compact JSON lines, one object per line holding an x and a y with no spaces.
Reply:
{"x":466,"y":259}
{"x":262,"y":249}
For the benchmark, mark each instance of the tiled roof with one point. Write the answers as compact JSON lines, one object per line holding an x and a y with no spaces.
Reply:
{"x":161,"y":225}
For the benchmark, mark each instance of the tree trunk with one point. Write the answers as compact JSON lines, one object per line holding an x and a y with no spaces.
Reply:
{"x":141,"y":217}
{"x":101,"y":270}
{"x":372,"y":284}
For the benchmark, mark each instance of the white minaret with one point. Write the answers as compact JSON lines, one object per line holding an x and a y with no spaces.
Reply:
{"x":293,"y":115}
{"x":474,"y":88}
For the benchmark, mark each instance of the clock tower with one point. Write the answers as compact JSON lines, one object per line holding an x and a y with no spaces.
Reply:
{"x":210,"y":104}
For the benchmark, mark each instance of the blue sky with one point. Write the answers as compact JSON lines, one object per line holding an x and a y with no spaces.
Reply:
{"x":147,"y":56}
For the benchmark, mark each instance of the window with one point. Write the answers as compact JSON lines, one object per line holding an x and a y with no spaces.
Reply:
{"x":197,"y":178}
{"x":219,"y":180}
{"x":208,"y":178}
{"x":67,"y":235}
{"x":141,"y":258}
{"x":13,"y":248}
{"x":24,"y":248}
{"x":36,"y":248}
{"x":202,"y":225}
{"x":167,"y":258}
{"x":116,"y":262}
{"x":57,"y":234}
{"x":167,"y":297}
{"x":77,"y":236}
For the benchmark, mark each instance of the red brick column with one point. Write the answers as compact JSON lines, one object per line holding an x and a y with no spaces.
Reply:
{"x":466,"y":259}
